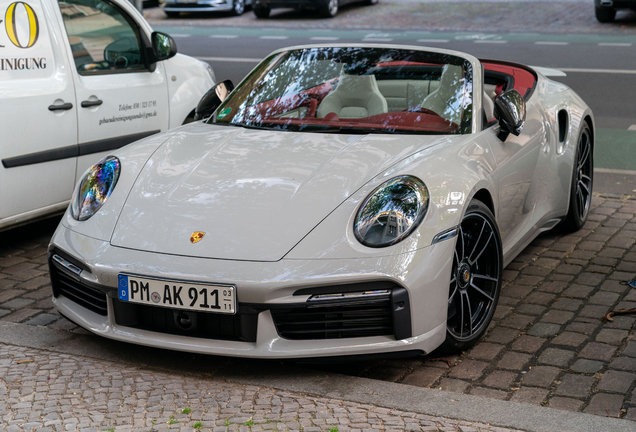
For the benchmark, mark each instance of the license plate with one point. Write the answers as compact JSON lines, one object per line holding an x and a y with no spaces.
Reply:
{"x":178,"y":295}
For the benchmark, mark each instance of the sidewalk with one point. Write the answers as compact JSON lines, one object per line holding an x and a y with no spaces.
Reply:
{"x":61,"y":389}
{"x":46,"y":391}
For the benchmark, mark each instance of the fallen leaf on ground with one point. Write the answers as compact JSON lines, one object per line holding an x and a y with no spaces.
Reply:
{"x":608,"y":317}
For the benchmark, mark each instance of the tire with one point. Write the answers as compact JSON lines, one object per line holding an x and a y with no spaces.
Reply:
{"x":581,"y":183}
{"x":261,"y":12}
{"x":329,"y":9}
{"x":370,"y":2}
{"x":238,"y":7}
{"x":604,"y":15}
{"x":475,"y":279}
{"x":172,"y":14}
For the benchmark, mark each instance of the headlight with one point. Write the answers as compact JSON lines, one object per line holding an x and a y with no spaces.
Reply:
{"x":95,"y":187}
{"x":391,"y":212}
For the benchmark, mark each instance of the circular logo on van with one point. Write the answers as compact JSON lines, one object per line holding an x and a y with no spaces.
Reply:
{"x":16,"y":18}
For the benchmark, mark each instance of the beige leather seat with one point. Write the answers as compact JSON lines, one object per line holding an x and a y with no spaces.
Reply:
{"x":403,"y":94}
{"x":489,"y":107}
{"x":445,"y":101}
{"x":356,"y":96}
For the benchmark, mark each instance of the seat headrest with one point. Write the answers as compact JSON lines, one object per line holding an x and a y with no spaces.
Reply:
{"x":353,"y":84}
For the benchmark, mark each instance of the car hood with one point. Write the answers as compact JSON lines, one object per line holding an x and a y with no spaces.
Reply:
{"x":255,"y":194}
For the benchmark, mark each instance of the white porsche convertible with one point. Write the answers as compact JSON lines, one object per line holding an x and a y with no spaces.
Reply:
{"x":340,"y":201}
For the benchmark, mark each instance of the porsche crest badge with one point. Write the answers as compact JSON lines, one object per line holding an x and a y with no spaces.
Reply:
{"x":196,"y":237}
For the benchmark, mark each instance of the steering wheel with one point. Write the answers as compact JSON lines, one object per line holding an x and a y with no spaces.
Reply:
{"x":422,"y":110}
{"x":121,"y":62}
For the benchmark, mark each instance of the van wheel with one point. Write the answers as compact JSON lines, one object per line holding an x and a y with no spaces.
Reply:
{"x":172,"y":14}
{"x":370,"y":2}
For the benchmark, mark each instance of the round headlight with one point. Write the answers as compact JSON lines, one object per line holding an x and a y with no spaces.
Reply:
{"x":391,"y":212}
{"x":95,"y":187}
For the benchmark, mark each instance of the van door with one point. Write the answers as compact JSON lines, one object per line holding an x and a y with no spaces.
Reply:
{"x":38,"y":121}
{"x":119,"y":100}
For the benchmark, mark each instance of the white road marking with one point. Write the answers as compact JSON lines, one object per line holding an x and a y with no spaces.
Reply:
{"x":433,"y":40}
{"x":478,"y":36}
{"x":486,"y":41}
{"x":614,"y":171}
{"x":324,"y":38}
{"x":551,"y":43}
{"x":615,"y":44}
{"x":231,"y":59}
{"x":224,"y":36}
{"x":275,"y":37}
{"x":632,"y":127}
{"x":368,"y":39}
{"x":605,"y":71}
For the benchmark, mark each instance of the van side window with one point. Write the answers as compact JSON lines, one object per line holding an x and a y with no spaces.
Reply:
{"x":103,"y":38}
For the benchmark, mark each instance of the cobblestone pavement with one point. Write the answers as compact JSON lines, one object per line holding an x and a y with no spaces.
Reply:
{"x":45,"y":392}
{"x":574,"y":17}
{"x":547,"y":344}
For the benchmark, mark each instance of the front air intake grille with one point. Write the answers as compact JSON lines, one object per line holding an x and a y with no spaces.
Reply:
{"x":77,"y":291}
{"x":373,"y":317}
{"x":239,"y":327}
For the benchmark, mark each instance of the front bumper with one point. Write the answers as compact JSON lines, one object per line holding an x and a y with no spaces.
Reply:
{"x":198,"y":6}
{"x":264,"y":289}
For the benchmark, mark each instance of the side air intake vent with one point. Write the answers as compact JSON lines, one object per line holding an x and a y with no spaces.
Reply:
{"x":66,"y":282}
{"x":563,"y":120}
{"x":325,"y":320}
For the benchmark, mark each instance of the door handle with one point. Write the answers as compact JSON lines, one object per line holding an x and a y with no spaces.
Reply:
{"x":62,"y":107}
{"x":91,"y":103}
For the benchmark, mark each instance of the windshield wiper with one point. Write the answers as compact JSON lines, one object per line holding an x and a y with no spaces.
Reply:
{"x":361,"y":131}
{"x":249,"y":126}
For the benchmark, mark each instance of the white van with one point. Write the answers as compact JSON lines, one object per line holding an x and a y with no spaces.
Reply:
{"x":79,"y":78}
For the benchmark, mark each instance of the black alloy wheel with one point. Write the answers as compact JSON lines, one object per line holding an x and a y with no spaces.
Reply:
{"x":238,"y":7}
{"x":329,"y":8}
{"x":475,"y":279}
{"x":261,"y":11}
{"x":582,"y":182}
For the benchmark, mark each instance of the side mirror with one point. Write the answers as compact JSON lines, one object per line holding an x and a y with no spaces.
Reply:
{"x":212,"y":99}
{"x":163,"y":46}
{"x":510,"y":110}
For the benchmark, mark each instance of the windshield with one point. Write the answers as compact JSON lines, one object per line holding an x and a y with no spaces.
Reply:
{"x":354,"y":90}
